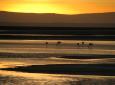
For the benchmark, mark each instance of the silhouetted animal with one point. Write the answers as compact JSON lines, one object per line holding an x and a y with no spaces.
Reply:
{"x":58,"y":43}
{"x":90,"y":45}
{"x":46,"y":43}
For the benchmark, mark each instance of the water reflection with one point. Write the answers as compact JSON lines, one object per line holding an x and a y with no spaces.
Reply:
{"x":18,"y":78}
{"x":39,"y":46}
{"x":23,"y":78}
{"x":32,"y":46}
{"x":9,"y":64}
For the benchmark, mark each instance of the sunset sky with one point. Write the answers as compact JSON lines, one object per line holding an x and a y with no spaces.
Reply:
{"x":58,"y":6}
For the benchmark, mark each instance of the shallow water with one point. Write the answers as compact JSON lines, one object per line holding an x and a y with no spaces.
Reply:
{"x":23,"y":78}
{"x":68,"y":47}
{"x":19,"y":78}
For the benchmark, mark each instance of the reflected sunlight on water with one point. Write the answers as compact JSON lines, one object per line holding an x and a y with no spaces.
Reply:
{"x":9,"y":64}
{"x":66,"y":46}
{"x":23,"y":78}
{"x":19,"y":78}
{"x":38,"y":46}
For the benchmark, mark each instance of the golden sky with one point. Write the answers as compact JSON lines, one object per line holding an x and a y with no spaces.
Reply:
{"x":58,"y":6}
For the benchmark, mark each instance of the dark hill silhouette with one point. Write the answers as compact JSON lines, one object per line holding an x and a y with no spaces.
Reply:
{"x":57,"y":20}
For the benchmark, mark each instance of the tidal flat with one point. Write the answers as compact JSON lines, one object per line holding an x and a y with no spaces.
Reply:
{"x":31,"y":62}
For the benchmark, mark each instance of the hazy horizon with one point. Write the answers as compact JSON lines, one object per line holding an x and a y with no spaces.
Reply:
{"x":54,"y":13}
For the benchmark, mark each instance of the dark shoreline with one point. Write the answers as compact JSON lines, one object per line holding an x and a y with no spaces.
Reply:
{"x":14,"y":27}
{"x":88,"y":56}
{"x":56,"y":55}
{"x":75,"y":37}
{"x":79,"y":33}
{"x":74,"y":69}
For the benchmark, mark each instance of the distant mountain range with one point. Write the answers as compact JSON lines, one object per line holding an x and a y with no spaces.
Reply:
{"x":57,"y":20}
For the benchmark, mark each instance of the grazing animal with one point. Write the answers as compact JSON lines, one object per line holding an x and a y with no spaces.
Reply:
{"x":83,"y":44}
{"x":78,"y":45}
{"x":46,"y":43}
{"x":90,"y":45}
{"x":58,"y":43}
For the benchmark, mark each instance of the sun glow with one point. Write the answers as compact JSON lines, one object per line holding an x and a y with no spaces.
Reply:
{"x":58,"y":6}
{"x":40,"y":8}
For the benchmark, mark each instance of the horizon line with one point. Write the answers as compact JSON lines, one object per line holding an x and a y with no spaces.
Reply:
{"x":55,"y":13}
